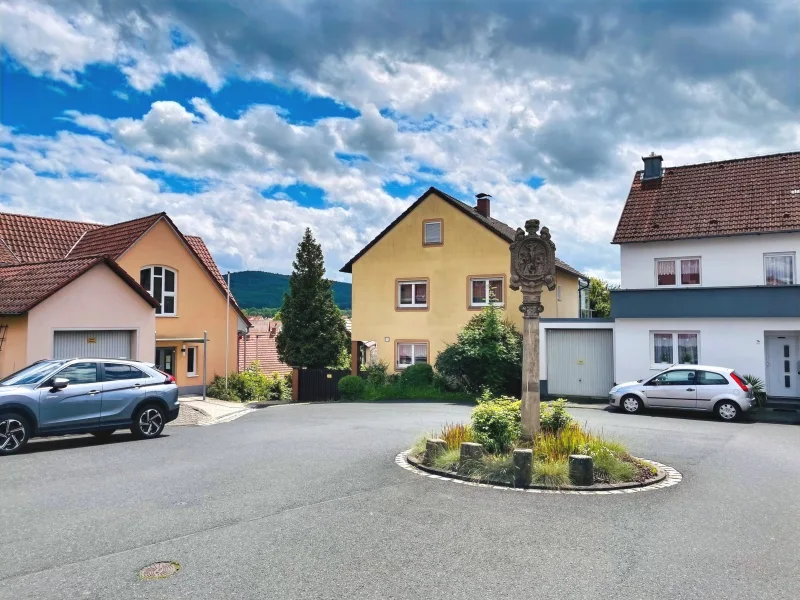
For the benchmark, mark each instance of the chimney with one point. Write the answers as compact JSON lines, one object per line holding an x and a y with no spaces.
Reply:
{"x":652,"y":166}
{"x":484,"y":205}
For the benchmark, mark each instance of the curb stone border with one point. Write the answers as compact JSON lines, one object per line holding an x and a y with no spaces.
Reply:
{"x":673,"y":477}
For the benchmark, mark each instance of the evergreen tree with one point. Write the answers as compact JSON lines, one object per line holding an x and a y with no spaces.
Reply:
{"x":313,"y":333}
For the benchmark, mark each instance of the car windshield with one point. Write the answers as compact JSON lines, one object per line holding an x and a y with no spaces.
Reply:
{"x":35,"y":373}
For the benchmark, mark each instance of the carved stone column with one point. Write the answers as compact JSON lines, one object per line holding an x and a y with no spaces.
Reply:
{"x":533,"y":266}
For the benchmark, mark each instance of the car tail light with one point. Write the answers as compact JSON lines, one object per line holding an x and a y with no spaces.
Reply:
{"x":741,"y":383}
{"x":170,"y":378}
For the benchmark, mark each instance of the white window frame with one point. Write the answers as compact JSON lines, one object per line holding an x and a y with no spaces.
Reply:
{"x":486,"y":281}
{"x":425,"y":224}
{"x":676,"y":260}
{"x":675,"y":354}
{"x":413,"y":283}
{"x":413,"y":345}
{"x":193,"y":350}
{"x":164,"y":294}
{"x":794,"y":265}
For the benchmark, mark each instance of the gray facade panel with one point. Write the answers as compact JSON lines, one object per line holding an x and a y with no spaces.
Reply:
{"x":719,"y":302}
{"x":92,"y":344}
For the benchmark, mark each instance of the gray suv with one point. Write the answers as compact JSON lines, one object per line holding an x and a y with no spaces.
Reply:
{"x":97,"y":396}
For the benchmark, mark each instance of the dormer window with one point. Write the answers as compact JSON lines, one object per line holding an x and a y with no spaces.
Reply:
{"x":676,"y":272}
{"x":162,"y":284}
{"x":433,"y":232}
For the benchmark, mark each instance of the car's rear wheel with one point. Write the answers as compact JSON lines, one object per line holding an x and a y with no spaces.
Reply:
{"x":105,"y":434}
{"x":14,"y":433}
{"x":631,"y":404}
{"x":727,"y":410}
{"x":148,"y":422}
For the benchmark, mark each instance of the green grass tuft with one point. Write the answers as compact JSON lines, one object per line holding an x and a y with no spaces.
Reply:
{"x":448,"y":460}
{"x":553,"y":473}
{"x":498,"y":468}
{"x":617,"y":470}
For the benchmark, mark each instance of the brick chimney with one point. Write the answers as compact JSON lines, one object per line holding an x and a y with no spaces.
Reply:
{"x":484,"y":204}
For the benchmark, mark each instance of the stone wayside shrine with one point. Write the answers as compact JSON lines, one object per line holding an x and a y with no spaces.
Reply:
{"x":533,"y":265}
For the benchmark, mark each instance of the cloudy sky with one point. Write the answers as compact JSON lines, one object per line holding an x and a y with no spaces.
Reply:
{"x":248,"y":120}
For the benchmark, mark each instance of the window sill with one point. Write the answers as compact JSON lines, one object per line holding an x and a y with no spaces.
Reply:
{"x":417,"y":307}
{"x":432,"y":244}
{"x":192,"y":375}
{"x":167,"y":316}
{"x":482,"y":306}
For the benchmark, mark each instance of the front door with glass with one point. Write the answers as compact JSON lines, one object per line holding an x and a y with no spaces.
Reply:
{"x":165,"y":360}
{"x":783,"y":366}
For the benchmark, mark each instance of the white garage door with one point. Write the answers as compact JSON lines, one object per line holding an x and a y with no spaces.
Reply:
{"x":92,"y":344}
{"x":580,"y":362}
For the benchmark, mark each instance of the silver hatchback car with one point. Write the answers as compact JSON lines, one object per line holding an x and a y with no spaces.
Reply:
{"x":687,"y":387}
{"x":97,"y":396}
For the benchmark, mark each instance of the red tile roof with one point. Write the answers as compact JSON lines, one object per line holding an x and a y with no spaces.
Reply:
{"x":113,"y":240}
{"x":760,"y":194}
{"x":37,"y":239}
{"x":34,"y":239}
{"x":499,"y":228}
{"x":260,"y":346}
{"x":23,"y":286}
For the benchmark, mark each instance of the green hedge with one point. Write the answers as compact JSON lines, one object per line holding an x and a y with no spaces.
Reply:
{"x":251,"y":385}
{"x":352,"y":387}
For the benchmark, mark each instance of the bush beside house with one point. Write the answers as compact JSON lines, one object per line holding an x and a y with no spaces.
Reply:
{"x":251,"y":385}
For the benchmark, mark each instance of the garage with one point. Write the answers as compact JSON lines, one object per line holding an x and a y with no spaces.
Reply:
{"x":580,"y":362}
{"x":104,"y":343}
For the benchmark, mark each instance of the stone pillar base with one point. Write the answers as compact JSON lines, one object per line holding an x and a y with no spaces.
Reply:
{"x":581,"y":469}
{"x":523,"y":468}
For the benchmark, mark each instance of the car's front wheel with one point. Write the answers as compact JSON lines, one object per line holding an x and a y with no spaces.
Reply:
{"x":727,"y":410}
{"x":14,"y":433}
{"x":148,"y":422}
{"x":632,"y":404}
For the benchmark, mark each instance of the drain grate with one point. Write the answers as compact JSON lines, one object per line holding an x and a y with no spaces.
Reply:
{"x":159,"y":570}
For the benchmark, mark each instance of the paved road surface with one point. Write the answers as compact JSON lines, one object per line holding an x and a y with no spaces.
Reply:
{"x":302,"y":502}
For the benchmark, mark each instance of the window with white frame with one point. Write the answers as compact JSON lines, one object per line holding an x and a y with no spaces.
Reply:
{"x":432,"y":232}
{"x":486,"y":290}
{"x":411,"y":353}
{"x":162,"y":284}
{"x":412,"y":294}
{"x":677,"y":271}
{"x":779,"y":268}
{"x":674,"y":347}
{"x":191,"y":361}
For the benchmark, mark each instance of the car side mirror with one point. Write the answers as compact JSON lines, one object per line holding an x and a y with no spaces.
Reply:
{"x":59,"y":383}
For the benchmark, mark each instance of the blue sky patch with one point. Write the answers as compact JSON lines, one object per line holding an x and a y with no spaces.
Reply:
{"x":305,"y":195}
{"x":535,"y":182}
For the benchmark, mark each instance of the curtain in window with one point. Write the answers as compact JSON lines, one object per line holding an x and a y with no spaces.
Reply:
{"x":496,"y":290}
{"x":666,"y":272}
{"x":420,"y":293}
{"x":690,"y":271}
{"x":687,"y":348}
{"x":479,"y":291}
{"x":404,"y":354}
{"x":662,"y":348}
{"x":420,"y":353}
{"x":779,"y":270}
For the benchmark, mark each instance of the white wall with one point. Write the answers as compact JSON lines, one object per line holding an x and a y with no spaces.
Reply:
{"x":726,"y":261}
{"x":734,"y":343}
{"x":98,"y":299}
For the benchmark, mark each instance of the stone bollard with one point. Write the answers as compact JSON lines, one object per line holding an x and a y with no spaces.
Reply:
{"x":470,"y":452}
{"x":523,"y":467}
{"x":434,"y":448}
{"x":581,"y":469}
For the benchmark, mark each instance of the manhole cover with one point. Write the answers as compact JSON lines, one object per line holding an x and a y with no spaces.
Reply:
{"x":159,"y":570}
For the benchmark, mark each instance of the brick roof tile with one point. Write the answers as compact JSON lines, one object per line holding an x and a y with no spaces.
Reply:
{"x":113,"y":240}
{"x":759,"y":194}
{"x":34,"y":239}
{"x":260,"y":345}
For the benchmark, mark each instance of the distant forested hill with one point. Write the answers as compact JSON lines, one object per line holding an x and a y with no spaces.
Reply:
{"x":259,"y":289}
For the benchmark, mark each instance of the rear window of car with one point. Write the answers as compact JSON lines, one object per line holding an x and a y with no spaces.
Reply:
{"x":709,"y":378}
{"x":119,"y":372}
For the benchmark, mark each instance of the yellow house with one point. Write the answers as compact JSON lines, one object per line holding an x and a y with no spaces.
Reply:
{"x":424,"y":276}
{"x":177,"y":271}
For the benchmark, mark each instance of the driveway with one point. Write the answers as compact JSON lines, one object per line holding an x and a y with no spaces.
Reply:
{"x":297,"y":502}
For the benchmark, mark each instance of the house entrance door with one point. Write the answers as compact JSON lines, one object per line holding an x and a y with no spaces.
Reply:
{"x":165,"y":360}
{"x":783,"y":366}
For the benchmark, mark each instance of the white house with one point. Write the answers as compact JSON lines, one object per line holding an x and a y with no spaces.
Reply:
{"x":709,"y":270}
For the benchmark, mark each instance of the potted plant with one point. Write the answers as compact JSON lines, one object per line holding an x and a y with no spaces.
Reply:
{"x":758,"y":388}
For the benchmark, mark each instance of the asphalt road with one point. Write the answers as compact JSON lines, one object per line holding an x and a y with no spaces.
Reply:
{"x":297,"y":502}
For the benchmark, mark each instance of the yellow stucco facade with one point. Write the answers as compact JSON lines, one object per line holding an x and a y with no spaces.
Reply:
{"x":468,"y":250}
{"x":14,"y":351}
{"x":200,"y":305}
